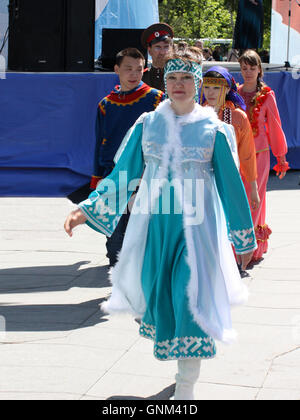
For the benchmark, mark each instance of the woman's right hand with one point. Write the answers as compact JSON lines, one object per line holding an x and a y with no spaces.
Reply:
{"x":255,"y":200}
{"x":74,"y":219}
{"x":281,"y":167}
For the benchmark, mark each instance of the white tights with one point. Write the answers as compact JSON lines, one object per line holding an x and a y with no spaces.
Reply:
{"x":188,"y":373}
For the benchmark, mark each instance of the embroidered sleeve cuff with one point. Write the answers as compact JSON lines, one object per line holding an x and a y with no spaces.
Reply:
{"x":282,"y":165}
{"x":100,"y":223}
{"x":244,"y":240}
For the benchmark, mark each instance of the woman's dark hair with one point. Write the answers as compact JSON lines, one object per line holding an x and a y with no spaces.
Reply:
{"x":207,"y":50}
{"x":129,"y":52}
{"x":214,"y":74}
{"x":251,"y":58}
{"x":186,"y":54}
{"x":181,"y":45}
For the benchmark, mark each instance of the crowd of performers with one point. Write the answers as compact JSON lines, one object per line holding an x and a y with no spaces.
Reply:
{"x":177,"y":272}
{"x":251,"y":109}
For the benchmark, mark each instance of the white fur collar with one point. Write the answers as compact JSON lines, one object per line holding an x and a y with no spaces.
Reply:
{"x":173,"y":144}
{"x":199,"y":113}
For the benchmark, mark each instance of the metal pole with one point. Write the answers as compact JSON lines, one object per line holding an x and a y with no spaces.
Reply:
{"x":287,"y":63}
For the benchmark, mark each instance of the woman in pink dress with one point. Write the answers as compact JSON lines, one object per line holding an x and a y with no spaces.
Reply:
{"x":267,"y":131}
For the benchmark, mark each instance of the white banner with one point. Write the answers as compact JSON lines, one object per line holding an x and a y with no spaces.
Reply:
{"x":100,"y":6}
{"x":3,"y":28}
{"x":285,"y":32}
{"x":123,"y":14}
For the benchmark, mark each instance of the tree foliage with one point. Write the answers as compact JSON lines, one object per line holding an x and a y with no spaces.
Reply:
{"x":207,"y":18}
{"x":197,"y":18}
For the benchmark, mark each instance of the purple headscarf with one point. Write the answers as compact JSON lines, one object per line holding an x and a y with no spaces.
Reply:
{"x":232,"y":95}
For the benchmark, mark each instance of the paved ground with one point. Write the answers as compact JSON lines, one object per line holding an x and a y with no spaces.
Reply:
{"x":57,"y":344}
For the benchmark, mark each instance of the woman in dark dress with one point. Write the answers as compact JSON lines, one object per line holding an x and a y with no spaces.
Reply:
{"x":248,"y":31}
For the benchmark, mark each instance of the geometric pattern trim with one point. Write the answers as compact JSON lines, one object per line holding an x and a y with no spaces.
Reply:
{"x":179,"y":348}
{"x":243,"y":239}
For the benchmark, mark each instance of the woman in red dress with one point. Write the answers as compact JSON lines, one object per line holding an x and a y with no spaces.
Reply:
{"x":267,"y":131}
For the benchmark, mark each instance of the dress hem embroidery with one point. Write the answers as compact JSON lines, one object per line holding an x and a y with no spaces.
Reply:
{"x":179,"y":348}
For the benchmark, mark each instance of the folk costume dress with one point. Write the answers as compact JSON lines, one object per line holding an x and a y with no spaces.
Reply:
{"x":244,"y":139}
{"x":248,"y":31}
{"x":176,"y":270}
{"x":117,"y":112}
{"x":232,"y":110}
{"x":266,"y":126}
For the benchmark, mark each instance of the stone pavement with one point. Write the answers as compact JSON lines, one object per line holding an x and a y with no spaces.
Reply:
{"x":56,"y":343}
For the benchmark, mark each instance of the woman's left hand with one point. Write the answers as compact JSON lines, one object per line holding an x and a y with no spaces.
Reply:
{"x":282,"y":167}
{"x":74,"y":219}
{"x":255,"y":200}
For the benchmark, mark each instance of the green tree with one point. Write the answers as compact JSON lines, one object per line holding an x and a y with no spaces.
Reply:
{"x":267,"y":23}
{"x":207,"y":18}
{"x":198,"y":18}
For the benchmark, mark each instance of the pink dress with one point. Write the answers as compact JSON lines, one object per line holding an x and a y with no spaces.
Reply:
{"x":267,"y":131}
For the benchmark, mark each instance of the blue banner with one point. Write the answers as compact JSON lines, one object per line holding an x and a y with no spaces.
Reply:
{"x":47,"y":136}
{"x":123,"y":14}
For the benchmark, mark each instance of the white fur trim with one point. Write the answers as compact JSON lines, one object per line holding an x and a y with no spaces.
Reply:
{"x":226,"y":336}
{"x":126,"y":275}
{"x":117,"y":304}
{"x":199,"y":113}
{"x":173,"y":147}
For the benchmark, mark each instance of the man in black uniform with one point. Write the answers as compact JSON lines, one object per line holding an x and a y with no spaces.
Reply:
{"x":158,"y":40}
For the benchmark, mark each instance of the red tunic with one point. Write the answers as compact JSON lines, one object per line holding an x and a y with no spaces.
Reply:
{"x":266,"y":125}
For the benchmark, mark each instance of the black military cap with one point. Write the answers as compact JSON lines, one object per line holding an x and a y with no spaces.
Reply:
{"x":157,"y":32}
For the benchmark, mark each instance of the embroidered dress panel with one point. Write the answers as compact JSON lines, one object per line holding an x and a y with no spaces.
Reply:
{"x":171,"y":326}
{"x":179,"y":348}
{"x":191,"y":149}
{"x":187,"y":292}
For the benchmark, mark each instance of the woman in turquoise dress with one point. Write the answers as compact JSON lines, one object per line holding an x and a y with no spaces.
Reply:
{"x":176,"y":270}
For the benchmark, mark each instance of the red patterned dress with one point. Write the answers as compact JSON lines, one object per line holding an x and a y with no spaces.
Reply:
{"x":267,"y":131}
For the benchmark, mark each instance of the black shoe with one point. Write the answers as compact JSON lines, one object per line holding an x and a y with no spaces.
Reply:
{"x":138,"y":320}
{"x":243,"y":273}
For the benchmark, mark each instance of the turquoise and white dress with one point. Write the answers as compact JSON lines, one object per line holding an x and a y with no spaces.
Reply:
{"x":176,"y":270}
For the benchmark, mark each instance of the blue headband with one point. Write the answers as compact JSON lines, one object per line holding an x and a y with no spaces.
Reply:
{"x":179,"y":66}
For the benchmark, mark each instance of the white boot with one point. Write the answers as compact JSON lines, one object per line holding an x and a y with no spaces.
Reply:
{"x":188,"y":373}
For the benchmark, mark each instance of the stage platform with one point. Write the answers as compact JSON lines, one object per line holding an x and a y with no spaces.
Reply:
{"x":47,"y":124}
